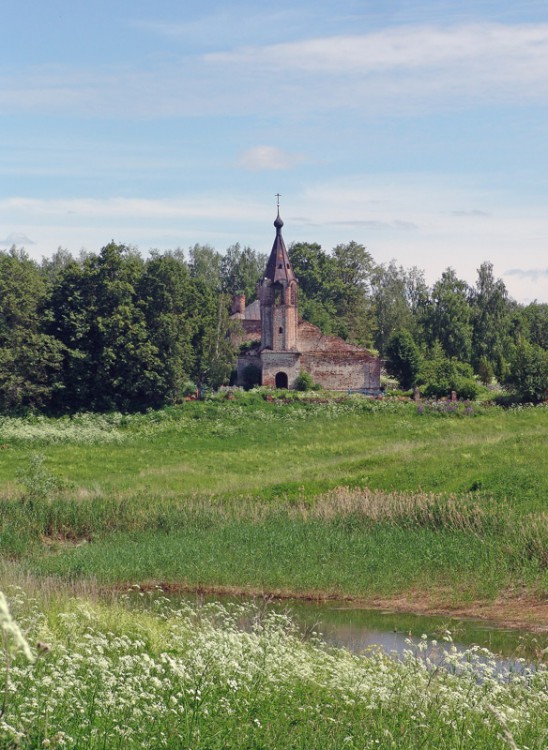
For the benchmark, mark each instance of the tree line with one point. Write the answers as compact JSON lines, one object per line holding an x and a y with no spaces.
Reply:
{"x":115,"y":330}
{"x":442,"y":337}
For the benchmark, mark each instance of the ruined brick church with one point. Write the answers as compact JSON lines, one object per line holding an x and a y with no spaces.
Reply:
{"x":278,"y":344}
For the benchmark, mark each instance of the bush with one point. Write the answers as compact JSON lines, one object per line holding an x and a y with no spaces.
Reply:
{"x":189,"y":388}
{"x":528,"y":373}
{"x":440,"y":375}
{"x":304,"y":382}
{"x":404,"y":359}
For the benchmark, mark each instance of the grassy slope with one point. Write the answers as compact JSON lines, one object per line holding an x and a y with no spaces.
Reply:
{"x":133,"y":498}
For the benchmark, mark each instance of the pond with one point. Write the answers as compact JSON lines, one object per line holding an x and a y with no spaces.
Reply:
{"x":344,"y":625}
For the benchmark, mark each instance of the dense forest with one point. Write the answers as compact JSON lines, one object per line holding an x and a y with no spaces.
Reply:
{"x":115,"y":330}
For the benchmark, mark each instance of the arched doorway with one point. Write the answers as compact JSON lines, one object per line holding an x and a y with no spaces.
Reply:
{"x":281,"y":380}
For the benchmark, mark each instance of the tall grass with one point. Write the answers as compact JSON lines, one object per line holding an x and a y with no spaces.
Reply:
{"x":107,"y":677}
{"x":350,"y":497}
{"x":346,"y":542}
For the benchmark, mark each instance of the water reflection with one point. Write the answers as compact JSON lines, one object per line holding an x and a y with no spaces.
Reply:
{"x":343,"y":625}
{"x":358,"y":629}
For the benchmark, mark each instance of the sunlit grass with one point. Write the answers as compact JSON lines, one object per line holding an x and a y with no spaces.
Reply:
{"x":233,"y":677}
{"x":349,"y":496}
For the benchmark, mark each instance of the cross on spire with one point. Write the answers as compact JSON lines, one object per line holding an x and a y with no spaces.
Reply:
{"x":278,"y":196}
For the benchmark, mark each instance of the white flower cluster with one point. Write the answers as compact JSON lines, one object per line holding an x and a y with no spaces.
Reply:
{"x":12,"y":637}
{"x":83,"y":429}
{"x":217,"y":676}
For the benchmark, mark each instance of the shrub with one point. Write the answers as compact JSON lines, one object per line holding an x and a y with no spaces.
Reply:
{"x":189,"y":388}
{"x":305,"y":382}
{"x":485,"y":371}
{"x":528,"y":373}
{"x":404,"y":359}
{"x":440,"y":375}
{"x":252,"y":376}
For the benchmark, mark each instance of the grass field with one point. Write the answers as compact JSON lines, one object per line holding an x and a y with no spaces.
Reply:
{"x":444,"y":505}
{"x":349,"y":497}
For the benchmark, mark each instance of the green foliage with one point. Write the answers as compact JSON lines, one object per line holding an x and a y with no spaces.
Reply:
{"x":447,"y":318}
{"x":39,"y":484}
{"x":30,"y":359}
{"x":134,"y":331}
{"x":535,"y":316}
{"x":305,"y":382}
{"x":440,"y":375}
{"x":240,"y":271}
{"x":528,"y":373}
{"x":189,"y":388}
{"x":333,"y":289}
{"x":397,"y":295}
{"x":485,"y":371}
{"x":490,"y":314}
{"x":205,"y":266}
{"x":404,"y":359}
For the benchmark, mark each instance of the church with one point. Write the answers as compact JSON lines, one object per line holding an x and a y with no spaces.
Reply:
{"x":278,"y":345}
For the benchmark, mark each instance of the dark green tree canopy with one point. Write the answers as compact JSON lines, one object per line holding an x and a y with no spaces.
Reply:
{"x":113,"y":330}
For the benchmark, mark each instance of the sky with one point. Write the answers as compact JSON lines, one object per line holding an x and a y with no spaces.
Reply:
{"x":414,"y":127}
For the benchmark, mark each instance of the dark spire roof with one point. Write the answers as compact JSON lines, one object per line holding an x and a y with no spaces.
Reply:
{"x":278,"y":267}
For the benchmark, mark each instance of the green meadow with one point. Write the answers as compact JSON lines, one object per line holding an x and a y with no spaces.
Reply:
{"x":440,"y":504}
{"x":310,"y":496}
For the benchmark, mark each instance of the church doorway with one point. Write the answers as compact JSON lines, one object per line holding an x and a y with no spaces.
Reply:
{"x":281,"y":380}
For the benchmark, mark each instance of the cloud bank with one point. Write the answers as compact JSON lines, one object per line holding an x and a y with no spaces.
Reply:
{"x":404,"y":68}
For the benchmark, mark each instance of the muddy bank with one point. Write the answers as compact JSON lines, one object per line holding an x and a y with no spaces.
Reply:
{"x":520,"y":612}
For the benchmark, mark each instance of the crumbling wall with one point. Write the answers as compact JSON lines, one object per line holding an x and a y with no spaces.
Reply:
{"x":342,"y":370}
{"x":275,"y":362}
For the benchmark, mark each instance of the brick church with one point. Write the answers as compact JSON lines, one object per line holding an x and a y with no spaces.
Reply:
{"x":279,"y":344}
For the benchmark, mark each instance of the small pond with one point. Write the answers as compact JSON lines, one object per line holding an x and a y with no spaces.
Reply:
{"x":342,"y":624}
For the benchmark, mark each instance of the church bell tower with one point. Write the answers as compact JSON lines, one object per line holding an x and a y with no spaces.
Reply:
{"x":278,"y":299}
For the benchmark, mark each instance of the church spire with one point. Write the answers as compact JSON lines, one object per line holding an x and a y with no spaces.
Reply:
{"x":278,"y":268}
{"x":278,"y":297}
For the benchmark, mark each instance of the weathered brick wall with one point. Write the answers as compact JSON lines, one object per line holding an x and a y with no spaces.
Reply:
{"x":312,"y":339}
{"x":342,"y":370}
{"x":253,"y":311}
{"x":246,"y":330}
{"x":284,"y":328}
{"x":275,"y":362}
{"x":333,"y":363}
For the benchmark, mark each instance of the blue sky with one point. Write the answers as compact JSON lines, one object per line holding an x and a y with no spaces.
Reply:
{"x":416,"y":127}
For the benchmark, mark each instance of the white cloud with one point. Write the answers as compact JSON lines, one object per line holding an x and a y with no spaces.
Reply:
{"x":404,"y":68}
{"x":261,"y":158}
{"x":16,"y":238}
{"x":407,"y":47}
{"x":144,"y":209}
{"x":531,"y":274}
{"x":502,"y":60}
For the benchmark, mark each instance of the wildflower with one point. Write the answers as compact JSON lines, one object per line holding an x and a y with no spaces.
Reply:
{"x":14,"y":640}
